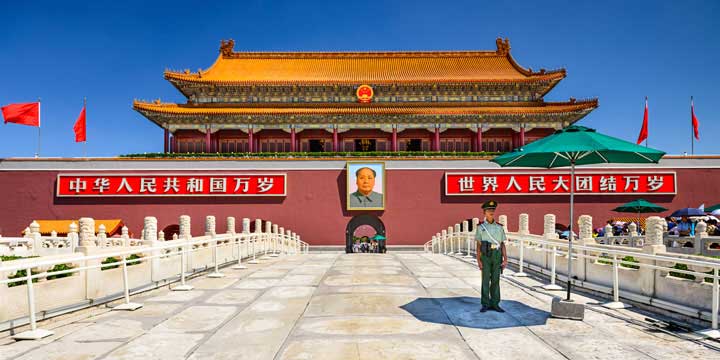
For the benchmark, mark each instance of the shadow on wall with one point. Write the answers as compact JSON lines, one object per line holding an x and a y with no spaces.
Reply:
{"x":465,"y":311}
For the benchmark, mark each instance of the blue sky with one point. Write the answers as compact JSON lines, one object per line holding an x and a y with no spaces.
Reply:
{"x":114,"y":52}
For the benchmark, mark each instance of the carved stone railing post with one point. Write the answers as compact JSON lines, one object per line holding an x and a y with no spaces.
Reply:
{"x":524,"y":224}
{"x":276,"y":241}
{"x":609,"y":233}
{"x":150,"y":228}
{"x":466,"y":238}
{"x":549,"y":227}
{"x":585,"y":229}
{"x":246,"y":226}
{"x":502,"y":219}
{"x":210,"y":225}
{"x":185,"y":227}
{"x":632,"y":229}
{"x":267,"y":237}
{"x":700,"y":233}
{"x":35,"y":235}
{"x":73,"y":238}
{"x":451,"y":237}
{"x":458,"y":239}
{"x":654,"y":230}
{"x":87,"y":232}
{"x":444,"y":236}
{"x":231,"y":225}
{"x":102,"y":236}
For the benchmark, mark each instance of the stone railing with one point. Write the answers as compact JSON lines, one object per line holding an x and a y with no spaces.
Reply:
{"x":96,"y":273}
{"x":649,"y":274}
{"x":33,"y":244}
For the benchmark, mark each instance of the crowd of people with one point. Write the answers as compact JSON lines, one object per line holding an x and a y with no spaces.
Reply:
{"x":367,"y":245}
{"x":684,"y":226}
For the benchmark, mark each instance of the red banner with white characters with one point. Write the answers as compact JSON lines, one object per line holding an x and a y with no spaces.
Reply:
{"x":553,"y":183}
{"x":195,"y":184}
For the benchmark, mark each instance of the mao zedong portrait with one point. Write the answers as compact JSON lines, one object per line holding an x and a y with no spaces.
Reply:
{"x":365,"y":196}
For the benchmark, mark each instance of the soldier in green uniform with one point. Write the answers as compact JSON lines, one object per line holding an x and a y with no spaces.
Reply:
{"x":490,"y":236}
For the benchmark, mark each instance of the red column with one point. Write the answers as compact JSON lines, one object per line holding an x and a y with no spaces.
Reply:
{"x":437,"y":139}
{"x":250,"y":139}
{"x":166,"y":145}
{"x":208,"y":147}
{"x":478,"y":139}
{"x":292,"y":139}
{"x":522,"y":136}
{"x":394,"y":139}
{"x":173,"y":144}
{"x":336,"y":146}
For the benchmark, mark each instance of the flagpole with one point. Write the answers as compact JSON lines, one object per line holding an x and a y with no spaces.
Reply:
{"x":648,"y":136}
{"x":692,"y":129}
{"x":85,"y":142}
{"x":37,"y":154}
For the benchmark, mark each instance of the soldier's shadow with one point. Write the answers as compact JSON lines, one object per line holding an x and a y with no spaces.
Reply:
{"x":465,"y":311}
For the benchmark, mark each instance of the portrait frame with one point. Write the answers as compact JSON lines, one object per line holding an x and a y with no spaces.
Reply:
{"x":350,"y":168}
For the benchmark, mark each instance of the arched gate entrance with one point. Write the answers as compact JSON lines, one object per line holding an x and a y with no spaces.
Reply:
{"x":358,"y":221}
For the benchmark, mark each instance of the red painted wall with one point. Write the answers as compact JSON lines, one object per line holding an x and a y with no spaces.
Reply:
{"x":315,"y":205}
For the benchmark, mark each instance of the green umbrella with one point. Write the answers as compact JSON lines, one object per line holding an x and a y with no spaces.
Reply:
{"x":577,"y":145}
{"x":379,"y":237}
{"x":639,"y":206}
{"x":712,"y":208}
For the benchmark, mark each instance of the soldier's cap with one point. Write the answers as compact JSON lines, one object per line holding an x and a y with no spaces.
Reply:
{"x":489,"y":205}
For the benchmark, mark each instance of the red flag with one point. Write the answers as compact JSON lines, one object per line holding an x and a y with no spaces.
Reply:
{"x":79,"y":127}
{"x":695,"y":122}
{"x":644,"y":130}
{"x":24,"y":114}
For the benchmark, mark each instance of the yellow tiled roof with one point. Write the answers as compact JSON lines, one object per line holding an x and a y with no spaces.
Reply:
{"x":376,"y":108}
{"x":366,"y":67}
{"x":112,"y":226}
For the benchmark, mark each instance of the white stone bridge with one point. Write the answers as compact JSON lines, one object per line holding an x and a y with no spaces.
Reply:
{"x":293,"y":304}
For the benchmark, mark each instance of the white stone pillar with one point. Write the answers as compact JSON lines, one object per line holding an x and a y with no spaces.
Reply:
{"x":246,"y":226}
{"x":185,"y":232}
{"x":150,"y":228}
{"x":502,"y":219}
{"x":632,"y":229}
{"x":210,"y":225}
{"x":102,"y":236}
{"x":700,"y":233}
{"x":258,"y":225}
{"x":73,"y":237}
{"x":524,"y":224}
{"x":35,"y":235}
{"x":231,"y":225}
{"x":549,"y":227}
{"x":654,"y":233}
{"x":585,"y":228}
{"x":87,"y":232}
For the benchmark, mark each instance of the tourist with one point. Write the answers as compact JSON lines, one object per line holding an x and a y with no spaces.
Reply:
{"x":685,"y":227}
{"x":356,"y":246}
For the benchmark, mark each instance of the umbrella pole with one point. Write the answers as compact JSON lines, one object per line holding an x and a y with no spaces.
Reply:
{"x":570,"y":235}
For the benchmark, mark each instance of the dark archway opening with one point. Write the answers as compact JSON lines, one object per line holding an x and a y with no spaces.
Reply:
{"x":171,"y":230}
{"x":358,"y":221}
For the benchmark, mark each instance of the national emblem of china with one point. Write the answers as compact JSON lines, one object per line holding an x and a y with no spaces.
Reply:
{"x":364,"y":93}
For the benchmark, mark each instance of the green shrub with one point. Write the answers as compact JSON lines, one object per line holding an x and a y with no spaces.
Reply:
{"x":625,"y":259}
{"x":21,"y":274}
{"x":59,"y":267}
{"x":285,"y":155}
{"x":688,"y":276}
{"x":112,"y":260}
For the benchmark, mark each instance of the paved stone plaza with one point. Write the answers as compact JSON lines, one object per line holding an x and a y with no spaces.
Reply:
{"x":348,"y":306}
